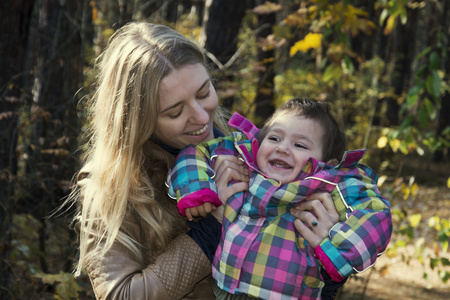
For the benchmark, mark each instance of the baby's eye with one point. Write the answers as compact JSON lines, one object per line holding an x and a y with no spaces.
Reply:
{"x":273,"y":138}
{"x":300,"y":145}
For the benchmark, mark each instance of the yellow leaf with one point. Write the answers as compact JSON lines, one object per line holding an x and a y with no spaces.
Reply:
{"x":311,"y":41}
{"x":383,"y":270}
{"x":392,"y":252}
{"x":406,"y":191}
{"x":381,"y":180}
{"x":267,"y":8}
{"x":382,"y":142}
{"x":448,"y":182}
{"x":415,"y":220}
{"x":390,"y":25}
{"x":414,"y":189}
{"x":395,"y":144}
{"x":435,"y":223}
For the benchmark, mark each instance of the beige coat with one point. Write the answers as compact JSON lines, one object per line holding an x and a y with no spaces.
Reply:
{"x":178,"y":273}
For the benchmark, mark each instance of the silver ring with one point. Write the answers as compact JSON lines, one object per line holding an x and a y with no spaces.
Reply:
{"x":314,"y":223}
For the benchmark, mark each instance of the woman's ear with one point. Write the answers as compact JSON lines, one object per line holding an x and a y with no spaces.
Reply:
{"x":332,"y":162}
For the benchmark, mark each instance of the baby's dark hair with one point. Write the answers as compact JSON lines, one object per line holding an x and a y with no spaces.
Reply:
{"x":333,"y":140}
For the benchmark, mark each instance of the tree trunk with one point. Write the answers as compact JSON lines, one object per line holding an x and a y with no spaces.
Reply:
{"x":223,"y":26}
{"x":443,"y":154}
{"x":402,"y":56}
{"x":14,"y":26}
{"x":56,"y":48}
{"x":264,"y":107}
{"x":221,"y":29}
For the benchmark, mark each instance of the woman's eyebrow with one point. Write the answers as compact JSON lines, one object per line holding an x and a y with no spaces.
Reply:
{"x":179,"y":102}
{"x":170,"y":107}
{"x":204,"y":84}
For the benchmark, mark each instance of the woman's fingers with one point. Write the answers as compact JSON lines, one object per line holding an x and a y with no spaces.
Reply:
{"x":318,"y":211}
{"x":227,"y":160}
{"x":328,"y":204}
{"x":227,"y":192}
{"x":310,"y":227}
{"x":312,"y":238}
{"x":218,"y":213}
{"x":315,"y":217}
{"x":228,"y":168}
{"x":323,"y":206}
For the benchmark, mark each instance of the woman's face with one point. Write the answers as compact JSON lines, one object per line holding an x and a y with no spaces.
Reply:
{"x":187,"y":103}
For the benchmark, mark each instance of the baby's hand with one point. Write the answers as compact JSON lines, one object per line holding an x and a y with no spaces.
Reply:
{"x":199,"y":211}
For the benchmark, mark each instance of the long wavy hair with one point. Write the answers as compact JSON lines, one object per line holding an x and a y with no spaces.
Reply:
{"x":124,"y":171}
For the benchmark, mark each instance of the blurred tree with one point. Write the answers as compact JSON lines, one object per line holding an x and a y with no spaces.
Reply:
{"x":51,"y":126}
{"x":264,"y":107}
{"x":14,"y":26}
{"x":443,"y":153}
{"x":221,"y":25}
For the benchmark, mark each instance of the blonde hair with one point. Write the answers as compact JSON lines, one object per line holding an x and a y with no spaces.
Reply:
{"x":124,"y":171}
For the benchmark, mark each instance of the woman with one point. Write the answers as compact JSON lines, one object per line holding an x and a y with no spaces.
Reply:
{"x":154,"y":97}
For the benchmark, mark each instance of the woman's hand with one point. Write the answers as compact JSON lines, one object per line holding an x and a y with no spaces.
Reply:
{"x":229,"y":168}
{"x":319,"y":212}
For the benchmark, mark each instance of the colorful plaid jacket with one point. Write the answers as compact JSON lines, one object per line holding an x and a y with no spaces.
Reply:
{"x":260,"y":252}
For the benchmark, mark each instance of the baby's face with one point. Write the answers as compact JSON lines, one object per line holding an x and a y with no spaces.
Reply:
{"x":289,"y":143}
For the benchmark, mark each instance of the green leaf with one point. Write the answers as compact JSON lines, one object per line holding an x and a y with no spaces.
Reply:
{"x":434,"y":262}
{"x":430,"y":108}
{"x":437,"y":83}
{"x":412,"y":100}
{"x":445,"y":276}
{"x":423,"y":117}
{"x":414,"y":91}
{"x":434,"y":61}
{"x":421,"y":72}
{"x":332,"y":72}
{"x":348,"y":64}
{"x":445,"y":261}
{"x":408,"y":120}
{"x":328,"y":74}
{"x":384,"y":14}
{"x":413,"y":96}
{"x":423,"y":53}
{"x":433,"y":85}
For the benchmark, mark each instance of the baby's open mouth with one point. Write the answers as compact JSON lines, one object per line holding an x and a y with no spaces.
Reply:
{"x":280,"y":164}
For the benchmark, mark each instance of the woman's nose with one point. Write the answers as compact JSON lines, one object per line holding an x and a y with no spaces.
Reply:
{"x":199,"y":114}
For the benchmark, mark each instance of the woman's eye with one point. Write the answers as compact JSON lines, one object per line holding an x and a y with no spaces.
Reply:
{"x":176,"y":115}
{"x":203,"y":95}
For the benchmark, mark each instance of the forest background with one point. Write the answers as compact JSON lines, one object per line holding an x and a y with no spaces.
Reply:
{"x":383,"y":65}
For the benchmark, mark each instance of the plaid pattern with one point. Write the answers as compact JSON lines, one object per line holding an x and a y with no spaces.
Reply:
{"x":260,"y":252}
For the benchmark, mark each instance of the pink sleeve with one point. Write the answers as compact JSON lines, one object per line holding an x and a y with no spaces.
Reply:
{"x":327,"y":264}
{"x":198,"y":198}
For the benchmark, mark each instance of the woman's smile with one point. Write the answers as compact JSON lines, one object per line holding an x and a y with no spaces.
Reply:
{"x":188,"y":102}
{"x":198,"y":132}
